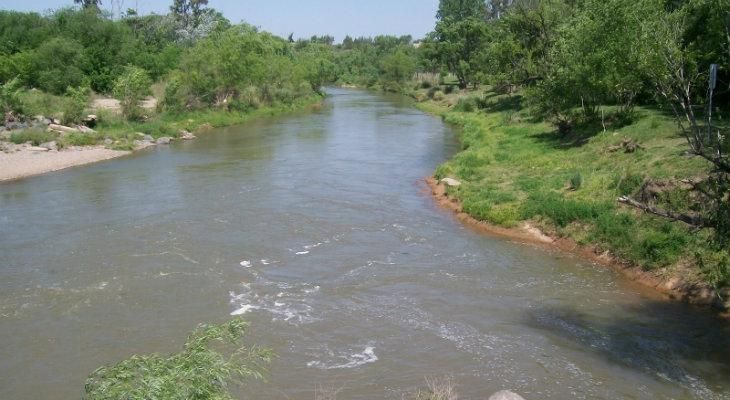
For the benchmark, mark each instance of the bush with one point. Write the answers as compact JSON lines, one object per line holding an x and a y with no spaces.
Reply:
{"x":213,"y":356}
{"x":576,"y":181}
{"x":467,"y":104}
{"x":59,"y":64}
{"x":34,"y":136}
{"x":75,"y":104}
{"x":80,"y":139}
{"x":130,"y":88}
{"x":10,"y":99}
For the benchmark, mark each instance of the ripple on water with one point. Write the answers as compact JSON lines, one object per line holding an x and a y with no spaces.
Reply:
{"x":346,"y":360}
{"x":284,"y":301}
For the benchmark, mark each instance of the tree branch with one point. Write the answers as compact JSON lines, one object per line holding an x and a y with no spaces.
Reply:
{"x":691,"y":220}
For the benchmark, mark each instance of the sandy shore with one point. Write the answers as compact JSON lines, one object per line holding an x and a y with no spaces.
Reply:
{"x":668,"y":286}
{"x":28,"y":162}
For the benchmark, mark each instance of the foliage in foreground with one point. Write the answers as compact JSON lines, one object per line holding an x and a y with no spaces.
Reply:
{"x":212,"y":358}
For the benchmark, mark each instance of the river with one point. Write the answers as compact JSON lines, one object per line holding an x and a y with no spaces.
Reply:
{"x":318,"y":228}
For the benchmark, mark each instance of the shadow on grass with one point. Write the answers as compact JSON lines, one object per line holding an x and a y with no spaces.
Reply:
{"x":667,"y":341}
{"x":493,"y":103}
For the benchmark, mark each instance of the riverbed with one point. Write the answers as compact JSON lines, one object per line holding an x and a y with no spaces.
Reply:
{"x":318,"y":228}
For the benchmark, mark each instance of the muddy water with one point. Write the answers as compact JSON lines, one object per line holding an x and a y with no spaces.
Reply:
{"x":316,"y":227}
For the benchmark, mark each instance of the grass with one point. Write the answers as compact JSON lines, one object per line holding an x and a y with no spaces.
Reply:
{"x":123,"y":133}
{"x":514,"y":168}
{"x":35,"y":136}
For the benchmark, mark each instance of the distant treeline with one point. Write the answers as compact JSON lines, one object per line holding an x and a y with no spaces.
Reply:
{"x":199,"y":58}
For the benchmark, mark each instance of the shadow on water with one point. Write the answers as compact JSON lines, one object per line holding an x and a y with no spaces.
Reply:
{"x":660,"y":339}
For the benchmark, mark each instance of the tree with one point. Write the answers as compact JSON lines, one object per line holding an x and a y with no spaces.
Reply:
{"x":457,"y":10}
{"x":188,"y":12}
{"x":456,"y":45}
{"x":88,"y":3}
{"x":396,"y":68}
{"x":680,"y":81}
{"x":58,"y":64}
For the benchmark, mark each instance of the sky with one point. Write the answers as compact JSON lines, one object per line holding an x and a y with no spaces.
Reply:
{"x":304,"y":18}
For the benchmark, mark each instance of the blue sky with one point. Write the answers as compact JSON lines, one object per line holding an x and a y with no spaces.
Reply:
{"x":302,"y":17}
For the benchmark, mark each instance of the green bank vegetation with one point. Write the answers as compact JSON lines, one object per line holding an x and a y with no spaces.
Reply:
{"x":590,"y":119}
{"x":213,"y":357}
{"x":202,"y":69}
{"x":568,"y":106}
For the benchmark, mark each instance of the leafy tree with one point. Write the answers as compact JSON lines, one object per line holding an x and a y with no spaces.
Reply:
{"x":457,"y":10}
{"x":188,"y":12}
{"x":597,"y":60}
{"x":58,"y":64}
{"x":213,"y":357}
{"x":397,"y":68}
{"x":457,"y":45}
{"x":88,"y":3}
{"x":130,"y":88}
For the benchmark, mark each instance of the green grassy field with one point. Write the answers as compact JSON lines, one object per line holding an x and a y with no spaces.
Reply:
{"x":514,"y":168}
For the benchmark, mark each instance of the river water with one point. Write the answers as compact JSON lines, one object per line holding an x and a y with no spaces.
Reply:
{"x":318,"y":228}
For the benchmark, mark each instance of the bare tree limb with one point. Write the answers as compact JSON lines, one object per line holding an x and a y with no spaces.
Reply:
{"x":694,"y":221}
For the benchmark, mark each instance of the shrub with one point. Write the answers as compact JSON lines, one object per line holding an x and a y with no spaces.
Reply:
{"x":80,"y":139}
{"x":10,"y":99}
{"x":576,"y":181}
{"x":58,"y":64}
{"x":74,"y":105}
{"x":467,"y":104}
{"x":627,"y":184}
{"x":213,"y":356}
{"x":34,"y":136}
{"x":130,"y":88}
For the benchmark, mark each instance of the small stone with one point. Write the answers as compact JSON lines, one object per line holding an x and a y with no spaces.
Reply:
{"x":450,"y":182}
{"x":36,"y":148}
{"x":506,"y":395}
{"x":108,"y":142}
{"x":164,"y":140}
{"x":85,"y":129}
{"x":50,"y":145}
{"x":148,"y":138}
{"x":185,"y":135}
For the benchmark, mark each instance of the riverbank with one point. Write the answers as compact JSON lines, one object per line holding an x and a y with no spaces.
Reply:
{"x":518,"y":179}
{"x":29,"y":160}
{"x":117,"y":138}
{"x":670,"y":287}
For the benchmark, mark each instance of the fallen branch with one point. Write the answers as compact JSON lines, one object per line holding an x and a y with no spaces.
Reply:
{"x":694,"y":221}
